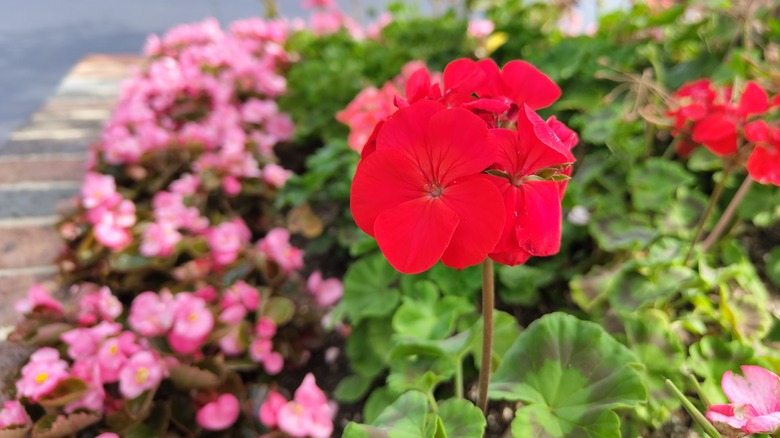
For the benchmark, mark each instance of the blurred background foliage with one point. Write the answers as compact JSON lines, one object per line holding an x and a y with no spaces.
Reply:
{"x":631,"y":208}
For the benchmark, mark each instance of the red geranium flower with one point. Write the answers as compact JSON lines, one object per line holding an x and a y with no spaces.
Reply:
{"x":534,"y":164}
{"x":718,"y":130}
{"x":764,"y":162}
{"x":421,"y":193}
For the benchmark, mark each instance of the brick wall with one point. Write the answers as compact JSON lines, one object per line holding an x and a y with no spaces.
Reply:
{"x":41,"y":167}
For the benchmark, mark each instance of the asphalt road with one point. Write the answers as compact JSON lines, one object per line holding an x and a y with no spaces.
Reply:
{"x":40,"y":40}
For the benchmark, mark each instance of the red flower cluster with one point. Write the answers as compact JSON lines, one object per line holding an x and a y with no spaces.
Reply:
{"x":466,"y":169}
{"x":705,"y":115}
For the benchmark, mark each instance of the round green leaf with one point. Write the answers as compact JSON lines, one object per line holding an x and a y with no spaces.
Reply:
{"x":568,"y":372}
{"x":461,"y":419}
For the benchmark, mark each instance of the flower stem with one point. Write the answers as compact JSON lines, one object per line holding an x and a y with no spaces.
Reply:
{"x":488,"y":301}
{"x":459,"y":378}
{"x":708,"y":210}
{"x":727,"y":215}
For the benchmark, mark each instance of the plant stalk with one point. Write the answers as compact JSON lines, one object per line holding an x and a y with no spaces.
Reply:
{"x":727,"y":215}
{"x":488,"y":302}
{"x":459,"y":378}
{"x":708,"y":210}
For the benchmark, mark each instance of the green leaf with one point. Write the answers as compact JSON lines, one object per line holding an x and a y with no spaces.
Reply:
{"x":368,"y":290}
{"x":522,"y":283}
{"x":369,"y":345}
{"x":156,"y":424}
{"x":464,"y":282}
{"x":773,"y":266}
{"x":425,"y":315}
{"x":191,"y":377}
{"x":461,"y":419}
{"x":614,"y":232}
{"x":352,"y":388}
{"x":505,"y":334}
{"x":55,"y":426}
{"x":66,"y":391}
{"x":655,"y":182}
{"x":355,"y":430}
{"x":538,"y":421}
{"x":280,"y":309}
{"x":405,"y":418}
{"x":650,"y":336}
{"x":379,"y":399}
{"x":560,"y":351}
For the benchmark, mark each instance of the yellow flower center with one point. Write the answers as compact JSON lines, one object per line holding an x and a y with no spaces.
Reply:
{"x":192,"y":317}
{"x":41,"y":377}
{"x":113,"y":349}
{"x":141,"y":375}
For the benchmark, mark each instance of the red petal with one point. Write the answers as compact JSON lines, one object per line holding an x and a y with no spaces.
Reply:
{"x":370,"y":145}
{"x":461,"y":78}
{"x":754,"y":100}
{"x":480,"y":209}
{"x":493,"y":84}
{"x":418,"y":86}
{"x":757,"y":131}
{"x":526,"y":84}
{"x":717,"y":132}
{"x":764,"y":166}
{"x":544,"y":134}
{"x":567,"y":136}
{"x":406,"y":129}
{"x":414,"y":235}
{"x":539,"y":220}
{"x":384,"y":180}
{"x":458,"y":145}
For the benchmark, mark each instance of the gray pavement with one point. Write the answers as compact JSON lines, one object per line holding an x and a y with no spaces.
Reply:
{"x":40,"y":40}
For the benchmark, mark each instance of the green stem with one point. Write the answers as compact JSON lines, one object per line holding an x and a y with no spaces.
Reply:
{"x":727,"y":215}
{"x":708,"y":210}
{"x":459,"y":378}
{"x":432,"y":401}
{"x":695,"y":414}
{"x":488,"y":302}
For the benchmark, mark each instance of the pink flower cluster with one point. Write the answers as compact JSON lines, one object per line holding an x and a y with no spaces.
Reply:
{"x":111,"y":216}
{"x":13,"y":415}
{"x":308,"y":414}
{"x":326,"y":18}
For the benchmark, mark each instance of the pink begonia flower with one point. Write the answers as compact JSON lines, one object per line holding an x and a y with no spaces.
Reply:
{"x":326,"y":292}
{"x":231,"y":185}
{"x":97,"y":189}
{"x":258,"y":111}
{"x":186,"y":185}
{"x":308,"y":414}
{"x":269,"y":410}
{"x":259,"y":349}
{"x":100,"y":305}
{"x":192,"y":323}
{"x":159,"y":239}
{"x":273,"y":363}
{"x":112,"y":226}
{"x":219,"y":414}
{"x":151,"y":314}
{"x":113,"y":354}
{"x":276,"y":175}
{"x":42,"y":374}
{"x":143,"y":371}
{"x":374,"y":29}
{"x":37,"y":297}
{"x":755,"y":401}
{"x":94,"y":398}
{"x":280,"y":126}
{"x":84,"y":342}
{"x":107,"y":435}
{"x":241,"y":293}
{"x":226,"y":240}
{"x":232,"y":343}
{"x":480,"y":28}
{"x":207,"y":293}
{"x":276,"y":245}
{"x":265,"y":327}
{"x":13,"y":414}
